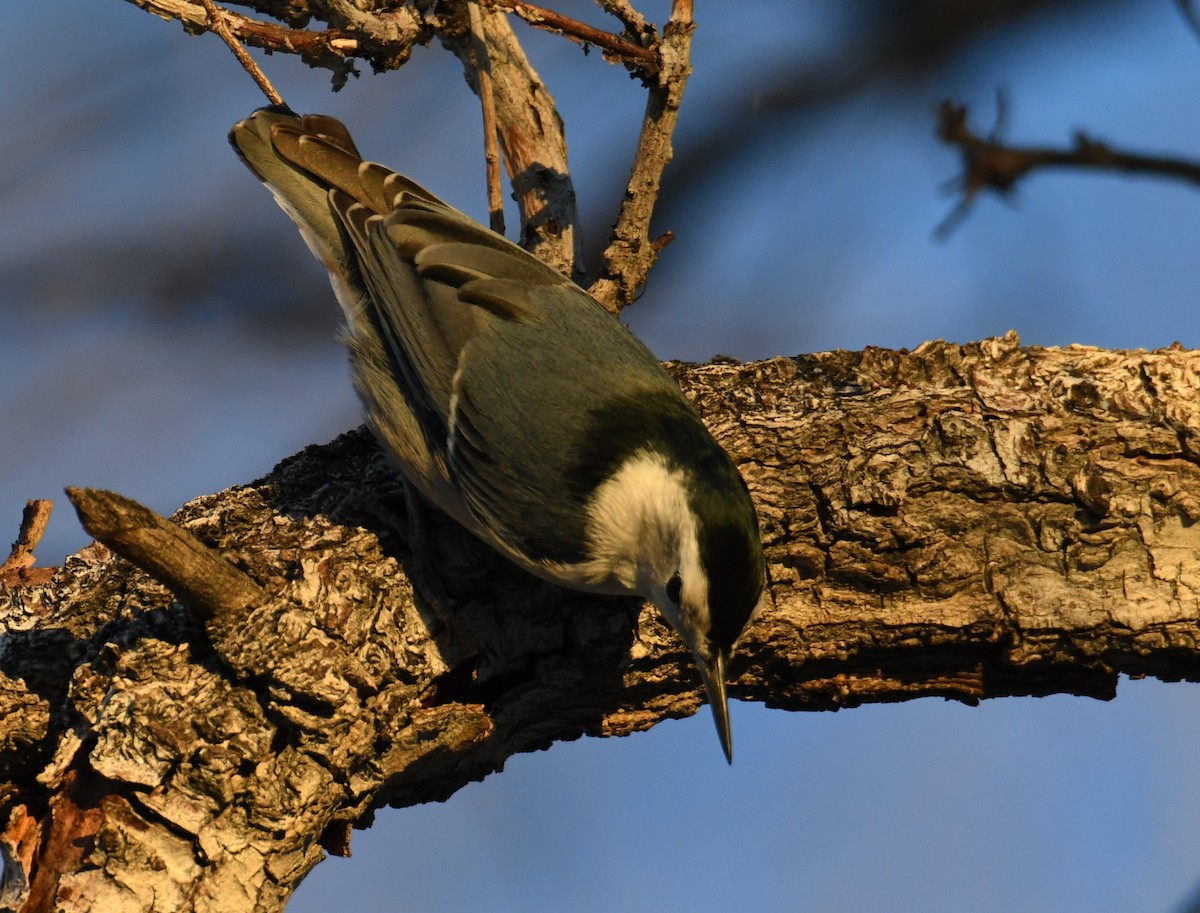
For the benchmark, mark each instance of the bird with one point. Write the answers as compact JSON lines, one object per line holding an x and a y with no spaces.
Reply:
{"x":514,"y":402}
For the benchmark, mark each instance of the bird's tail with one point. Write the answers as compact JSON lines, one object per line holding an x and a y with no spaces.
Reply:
{"x":281,"y":147}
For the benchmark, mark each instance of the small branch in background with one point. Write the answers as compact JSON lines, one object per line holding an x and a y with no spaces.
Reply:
{"x":18,"y":569}
{"x":614,"y":47}
{"x":487,"y":101}
{"x":989,"y":164}
{"x":216,"y":22}
{"x":1188,"y":9}
{"x":631,"y":253}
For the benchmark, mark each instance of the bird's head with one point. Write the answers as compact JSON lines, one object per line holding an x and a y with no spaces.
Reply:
{"x":685,"y":535}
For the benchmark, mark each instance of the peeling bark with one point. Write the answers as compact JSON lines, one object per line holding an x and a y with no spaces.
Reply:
{"x":966,"y":522}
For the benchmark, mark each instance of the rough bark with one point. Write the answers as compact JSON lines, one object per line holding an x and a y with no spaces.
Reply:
{"x":965,"y":522}
{"x":533,"y":141}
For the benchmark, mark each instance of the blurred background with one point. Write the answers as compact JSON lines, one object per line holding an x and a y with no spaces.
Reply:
{"x":166,"y":334}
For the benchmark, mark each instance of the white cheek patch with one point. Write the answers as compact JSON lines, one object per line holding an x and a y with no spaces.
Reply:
{"x":641,"y":531}
{"x":628,"y":526}
{"x":695,"y":580}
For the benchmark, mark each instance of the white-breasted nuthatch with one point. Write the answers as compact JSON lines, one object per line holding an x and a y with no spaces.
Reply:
{"x":514,"y":402}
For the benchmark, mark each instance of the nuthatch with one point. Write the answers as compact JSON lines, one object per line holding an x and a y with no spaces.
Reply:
{"x":514,"y":402}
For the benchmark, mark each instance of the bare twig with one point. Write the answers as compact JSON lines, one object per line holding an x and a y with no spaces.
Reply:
{"x":18,"y":568}
{"x":634,"y":22}
{"x":989,"y":164}
{"x":631,"y":253}
{"x":386,"y":46}
{"x":487,"y":101}
{"x":1188,"y":9}
{"x":216,"y":22}
{"x":614,"y":46}
{"x":200,"y":576}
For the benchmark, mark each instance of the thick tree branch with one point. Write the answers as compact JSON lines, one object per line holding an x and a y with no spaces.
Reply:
{"x":966,"y":522}
{"x":532,"y":139}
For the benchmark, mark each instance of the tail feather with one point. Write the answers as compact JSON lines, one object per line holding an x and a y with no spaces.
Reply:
{"x":302,"y":159}
{"x":302,"y":196}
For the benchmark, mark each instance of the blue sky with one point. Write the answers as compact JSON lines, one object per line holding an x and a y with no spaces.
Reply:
{"x":820,"y":237}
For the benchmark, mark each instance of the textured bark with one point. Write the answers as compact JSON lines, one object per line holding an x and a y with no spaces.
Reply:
{"x":532,"y":138}
{"x":967,"y":522}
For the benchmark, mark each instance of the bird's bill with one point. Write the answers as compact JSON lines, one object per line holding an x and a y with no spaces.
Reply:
{"x":712,"y":670}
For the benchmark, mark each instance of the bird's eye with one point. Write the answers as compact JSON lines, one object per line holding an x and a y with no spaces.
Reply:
{"x":674,"y":589}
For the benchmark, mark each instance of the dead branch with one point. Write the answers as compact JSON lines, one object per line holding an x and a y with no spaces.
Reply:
{"x":203,"y":579}
{"x":632,"y":253}
{"x":18,"y":568}
{"x":989,"y":164}
{"x":329,"y":49}
{"x":512,"y":94}
{"x":532,"y":140}
{"x":615,"y":48}
{"x":216,"y":22}
{"x":961,"y":521}
{"x":487,"y":101}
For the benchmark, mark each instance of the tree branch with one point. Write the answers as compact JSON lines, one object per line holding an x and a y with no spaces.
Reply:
{"x":966,"y":522}
{"x":531,"y":132}
{"x":533,"y":142}
{"x":18,"y":568}
{"x":487,"y":102}
{"x":385,"y":40}
{"x":198,"y":575}
{"x":631,"y":253}
{"x":987,"y":163}
{"x":615,"y":47}
{"x":216,"y":23}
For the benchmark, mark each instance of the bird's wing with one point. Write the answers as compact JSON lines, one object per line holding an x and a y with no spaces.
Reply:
{"x":502,"y":361}
{"x":515,"y":357}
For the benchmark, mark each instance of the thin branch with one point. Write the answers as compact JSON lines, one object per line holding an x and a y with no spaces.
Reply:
{"x":1188,"y":10}
{"x":18,"y":568}
{"x":989,"y":164}
{"x":487,"y":101}
{"x":616,"y":48}
{"x":631,"y":253}
{"x":634,"y":22}
{"x":200,"y":576}
{"x":386,"y":46}
{"x":216,"y":22}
